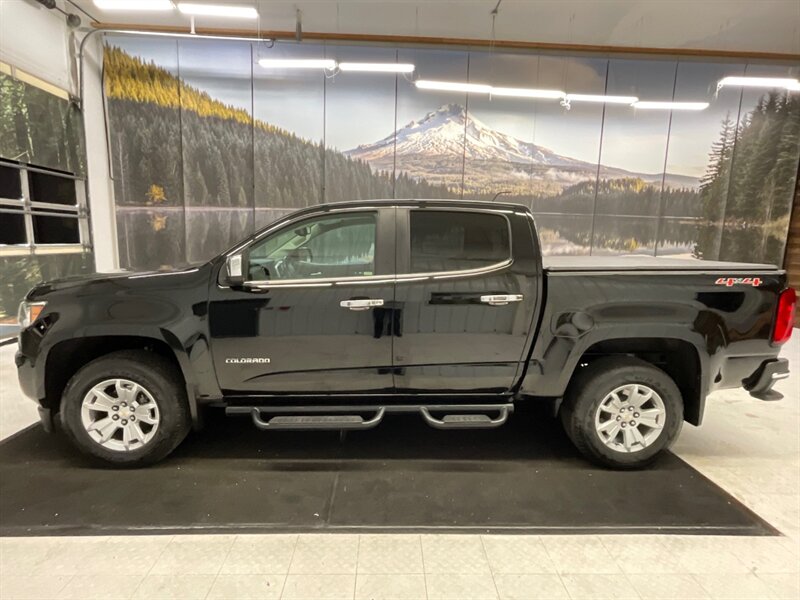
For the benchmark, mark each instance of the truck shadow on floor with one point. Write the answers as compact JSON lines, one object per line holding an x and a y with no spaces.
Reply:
{"x":531,"y":434}
{"x":400,"y":476}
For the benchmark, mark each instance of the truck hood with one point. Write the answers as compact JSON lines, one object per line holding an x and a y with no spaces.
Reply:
{"x":95,"y":279}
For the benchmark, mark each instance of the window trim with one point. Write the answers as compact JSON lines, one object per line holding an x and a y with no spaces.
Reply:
{"x":376,"y":279}
{"x":404,"y":244}
{"x":400,"y":214}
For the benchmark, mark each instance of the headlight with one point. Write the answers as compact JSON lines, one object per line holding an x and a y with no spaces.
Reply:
{"x":29,"y":312}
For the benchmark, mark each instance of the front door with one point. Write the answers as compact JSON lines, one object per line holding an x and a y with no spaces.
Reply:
{"x":466,"y":309}
{"x":313,"y":317}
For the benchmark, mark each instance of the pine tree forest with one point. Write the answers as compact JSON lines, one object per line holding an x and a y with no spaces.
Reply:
{"x":746,"y":193}
{"x":39,"y":128}
{"x":193,"y":175}
{"x":201,"y":153}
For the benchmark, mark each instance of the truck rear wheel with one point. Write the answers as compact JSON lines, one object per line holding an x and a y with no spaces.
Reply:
{"x":127,"y":408}
{"x":621,"y":412}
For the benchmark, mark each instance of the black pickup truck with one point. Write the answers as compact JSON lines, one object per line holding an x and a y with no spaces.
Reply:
{"x":337,"y":315}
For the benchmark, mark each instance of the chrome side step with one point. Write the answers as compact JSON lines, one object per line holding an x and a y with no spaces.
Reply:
{"x":467,"y":421}
{"x":347,"y":418}
{"x":311,"y":422}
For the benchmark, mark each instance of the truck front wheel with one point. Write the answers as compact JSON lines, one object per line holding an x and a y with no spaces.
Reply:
{"x":127,"y":408}
{"x":621,"y":412}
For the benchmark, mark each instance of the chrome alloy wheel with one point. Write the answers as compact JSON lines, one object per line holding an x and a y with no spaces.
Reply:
{"x":120,"y":415}
{"x":630,"y":418}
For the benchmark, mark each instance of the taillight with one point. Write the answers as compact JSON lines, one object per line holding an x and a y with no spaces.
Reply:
{"x":784,"y":317}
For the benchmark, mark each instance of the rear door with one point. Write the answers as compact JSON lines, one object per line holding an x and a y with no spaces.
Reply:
{"x":314,"y":316}
{"x":465,"y":303}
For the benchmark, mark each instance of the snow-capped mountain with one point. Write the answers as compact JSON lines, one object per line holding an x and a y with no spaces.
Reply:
{"x":442,"y":132}
{"x":438,"y":146}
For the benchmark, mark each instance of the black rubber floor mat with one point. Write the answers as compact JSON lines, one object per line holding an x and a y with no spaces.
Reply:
{"x":523,"y":477}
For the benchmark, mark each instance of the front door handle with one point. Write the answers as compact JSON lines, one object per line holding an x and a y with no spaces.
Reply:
{"x":501,"y":299}
{"x":364,"y":304}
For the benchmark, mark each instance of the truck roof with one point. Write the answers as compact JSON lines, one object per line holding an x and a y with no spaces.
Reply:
{"x":423,"y":202}
{"x":562,"y":262}
{"x":646,"y":263}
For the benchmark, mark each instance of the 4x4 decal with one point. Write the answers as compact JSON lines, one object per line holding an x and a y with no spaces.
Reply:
{"x":731,"y":281}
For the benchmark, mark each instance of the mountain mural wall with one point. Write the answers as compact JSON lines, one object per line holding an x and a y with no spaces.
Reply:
{"x":193,"y":175}
{"x":194,"y":170}
{"x":435,"y":148}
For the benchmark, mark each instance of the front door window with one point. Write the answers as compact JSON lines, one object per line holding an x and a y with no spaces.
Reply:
{"x":332,"y":246}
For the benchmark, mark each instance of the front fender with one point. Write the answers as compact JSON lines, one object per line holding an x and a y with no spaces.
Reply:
{"x":124,"y":312}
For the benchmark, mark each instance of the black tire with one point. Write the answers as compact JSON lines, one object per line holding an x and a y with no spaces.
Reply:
{"x":158,"y":376}
{"x":589,"y":387}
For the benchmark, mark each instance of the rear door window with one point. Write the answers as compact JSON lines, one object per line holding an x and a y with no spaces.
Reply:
{"x":457,"y":240}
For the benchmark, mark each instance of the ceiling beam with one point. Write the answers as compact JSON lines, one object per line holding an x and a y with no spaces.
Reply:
{"x":441,"y":41}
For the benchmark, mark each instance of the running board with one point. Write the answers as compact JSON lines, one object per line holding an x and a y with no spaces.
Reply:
{"x":311,"y":422}
{"x":305,"y":418}
{"x":467,"y":421}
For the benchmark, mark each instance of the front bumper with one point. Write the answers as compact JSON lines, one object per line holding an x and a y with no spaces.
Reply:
{"x":760,"y":383}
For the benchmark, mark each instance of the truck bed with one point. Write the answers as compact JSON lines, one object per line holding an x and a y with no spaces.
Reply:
{"x":646,"y":263}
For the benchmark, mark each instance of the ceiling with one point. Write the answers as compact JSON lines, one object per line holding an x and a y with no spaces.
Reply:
{"x":719,"y":25}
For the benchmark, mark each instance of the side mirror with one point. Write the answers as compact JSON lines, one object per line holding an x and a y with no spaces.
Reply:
{"x":235,"y":266}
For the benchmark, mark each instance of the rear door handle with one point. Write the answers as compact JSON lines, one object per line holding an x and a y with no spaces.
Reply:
{"x":364,"y":304}
{"x":501,"y":299}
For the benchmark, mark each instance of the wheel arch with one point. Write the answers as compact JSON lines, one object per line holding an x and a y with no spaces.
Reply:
{"x":65,"y":358}
{"x":679,"y":358}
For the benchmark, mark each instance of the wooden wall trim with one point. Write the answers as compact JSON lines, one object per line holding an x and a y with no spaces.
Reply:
{"x":439,"y":41}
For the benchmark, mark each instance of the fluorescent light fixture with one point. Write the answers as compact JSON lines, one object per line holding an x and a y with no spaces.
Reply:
{"x":218,"y":10}
{"x":453,"y":86}
{"x":601,"y":99}
{"x":481,"y":88}
{"x":297,"y":63}
{"x":761,"y":82}
{"x":134,"y":4}
{"x":377,"y":67}
{"x":649,"y":104}
{"x":527,"y":93}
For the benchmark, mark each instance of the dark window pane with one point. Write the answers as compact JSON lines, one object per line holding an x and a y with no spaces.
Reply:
{"x":55,"y":230}
{"x":51,"y":188}
{"x":9,"y":183}
{"x":454,"y":241}
{"x":12,"y":228}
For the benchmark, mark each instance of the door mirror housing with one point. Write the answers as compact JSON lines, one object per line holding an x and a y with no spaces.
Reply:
{"x":235,"y":266}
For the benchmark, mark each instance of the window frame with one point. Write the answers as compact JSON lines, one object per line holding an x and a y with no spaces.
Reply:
{"x":392,"y":249}
{"x":300,"y":222}
{"x":384,"y":250}
{"x":404,"y":244}
{"x":29,"y":209}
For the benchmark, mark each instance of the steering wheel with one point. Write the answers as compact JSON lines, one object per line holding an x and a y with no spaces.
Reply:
{"x":285,"y":268}
{"x":279,"y":269}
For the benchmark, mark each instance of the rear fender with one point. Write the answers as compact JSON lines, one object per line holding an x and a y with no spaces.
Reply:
{"x":551,"y":375}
